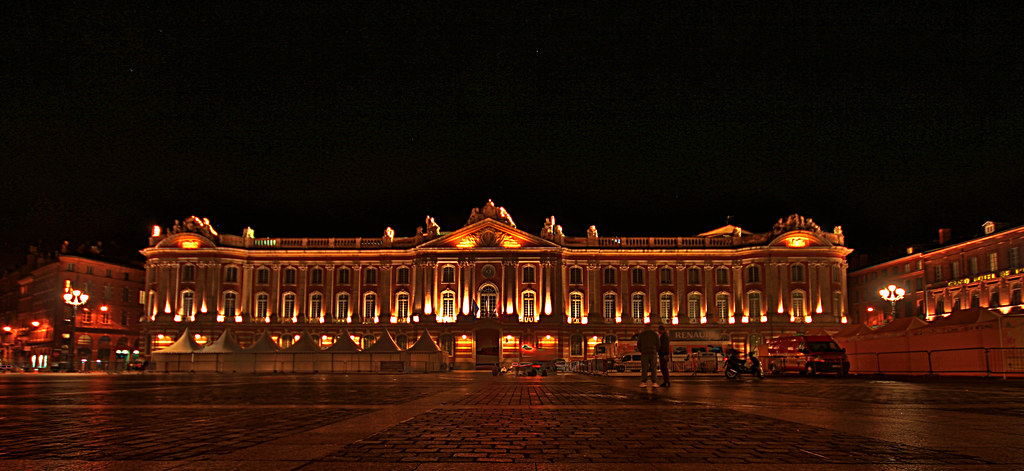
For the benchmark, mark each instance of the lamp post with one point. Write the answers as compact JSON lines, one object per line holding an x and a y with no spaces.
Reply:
{"x":892,"y":294}
{"x":74,"y":298}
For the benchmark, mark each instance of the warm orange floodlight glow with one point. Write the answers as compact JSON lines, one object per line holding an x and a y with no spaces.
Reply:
{"x":796,"y":242}
{"x":510,"y":243}
{"x":188,"y":243}
{"x":466,"y":243}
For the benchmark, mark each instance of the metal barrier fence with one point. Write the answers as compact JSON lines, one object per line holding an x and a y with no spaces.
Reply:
{"x":970,"y":361}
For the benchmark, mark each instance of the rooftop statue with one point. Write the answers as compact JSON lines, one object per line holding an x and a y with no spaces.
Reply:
{"x":795,"y":222}
{"x":433,"y":230}
{"x":490,"y":211}
{"x":195,"y":226}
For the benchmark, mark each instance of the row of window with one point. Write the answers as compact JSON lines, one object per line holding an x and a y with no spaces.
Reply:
{"x":693,"y":275}
{"x":86,"y":316}
{"x":89,"y":271}
{"x":950,"y":271}
{"x":972,"y":265}
{"x":487,"y":305}
{"x":108,"y":291}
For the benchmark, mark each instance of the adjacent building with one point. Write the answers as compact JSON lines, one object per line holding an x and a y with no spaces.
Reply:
{"x":981,"y":272}
{"x":43,"y":332}
{"x":488,"y":291}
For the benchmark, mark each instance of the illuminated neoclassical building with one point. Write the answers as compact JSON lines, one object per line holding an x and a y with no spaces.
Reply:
{"x":486,"y":289}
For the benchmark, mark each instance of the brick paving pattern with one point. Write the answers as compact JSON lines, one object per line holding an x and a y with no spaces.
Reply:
{"x":411,"y":421}
{"x":95,"y":434}
{"x":639,"y":430}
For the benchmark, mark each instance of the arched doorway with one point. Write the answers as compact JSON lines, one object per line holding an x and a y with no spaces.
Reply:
{"x":488,"y":349}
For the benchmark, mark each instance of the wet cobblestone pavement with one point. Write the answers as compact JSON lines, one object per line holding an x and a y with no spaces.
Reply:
{"x":314,"y":422}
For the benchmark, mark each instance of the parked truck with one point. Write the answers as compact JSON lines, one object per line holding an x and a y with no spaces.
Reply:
{"x":615,"y":356}
{"x":804,"y":354}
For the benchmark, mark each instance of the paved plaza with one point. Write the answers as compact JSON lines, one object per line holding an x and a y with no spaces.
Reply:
{"x":440,"y":421}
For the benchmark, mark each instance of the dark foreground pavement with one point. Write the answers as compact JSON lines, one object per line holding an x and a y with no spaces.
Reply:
{"x":441,"y":421}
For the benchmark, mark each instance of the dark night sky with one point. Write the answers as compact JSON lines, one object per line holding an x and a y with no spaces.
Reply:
{"x":889,"y":120}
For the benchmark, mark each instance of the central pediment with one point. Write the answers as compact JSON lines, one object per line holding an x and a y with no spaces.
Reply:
{"x":488,"y":233}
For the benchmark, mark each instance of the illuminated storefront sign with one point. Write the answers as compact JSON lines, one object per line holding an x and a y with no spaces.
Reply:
{"x":987,"y":276}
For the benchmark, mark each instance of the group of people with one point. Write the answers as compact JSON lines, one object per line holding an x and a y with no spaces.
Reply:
{"x":655,"y":349}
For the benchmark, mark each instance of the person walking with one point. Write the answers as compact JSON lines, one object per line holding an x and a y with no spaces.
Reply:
{"x":647,"y":342}
{"x":664,"y":354}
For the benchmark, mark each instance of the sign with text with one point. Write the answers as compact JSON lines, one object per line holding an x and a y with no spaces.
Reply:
{"x":696,"y":334}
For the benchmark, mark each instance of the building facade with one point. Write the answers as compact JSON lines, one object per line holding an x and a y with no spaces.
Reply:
{"x":45,"y":333}
{"x":487,"y":289}
{"x":983,"y":272}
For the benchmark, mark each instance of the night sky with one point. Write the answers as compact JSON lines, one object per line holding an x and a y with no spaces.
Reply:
{"x":890,"y":120}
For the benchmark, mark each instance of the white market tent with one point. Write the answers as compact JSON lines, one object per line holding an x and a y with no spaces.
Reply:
{"x":384,"y":355}
{"x":225,"y":355}
{"x":304,"y":355}
{"x":261,"y":356}
{"x":344,"y":354}
{"x":178,"y":356}
{"x":220,"y":356}
{"x":425,"y":356}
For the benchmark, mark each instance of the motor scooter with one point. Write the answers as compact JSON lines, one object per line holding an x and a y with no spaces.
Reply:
{"x":734,"y":367}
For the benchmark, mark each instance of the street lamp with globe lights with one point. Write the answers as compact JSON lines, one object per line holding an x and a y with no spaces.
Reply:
{"x":74,"y":298}
{"x":892,"y":294}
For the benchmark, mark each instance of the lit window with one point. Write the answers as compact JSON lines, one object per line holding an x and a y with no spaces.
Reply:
{"x":576,"y":307}
{"x":754,"y":304}
{"x":693,"y":307}
{"x":403,"y":307}
{"x":447,"y":307}
{"x":369,"y":307}
{"x":288,"y":306}
{"x":993,"y":262}
{"x":187,"y":303}
{"x":341,"y":310}
{"x":529,"y":307}
{"x":798,"y":305}
{"x":722,"y":305}
{"x":230,"y":302}
{"x":609,"y":307}
{"x":316,"y":303}
{"x":261,"y":305}
{"x":666,"y":308}
{"x":488,"y":301}
{"x":638,"y":307}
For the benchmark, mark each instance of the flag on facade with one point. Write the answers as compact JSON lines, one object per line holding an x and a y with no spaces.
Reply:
{"x":475,"y":309}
